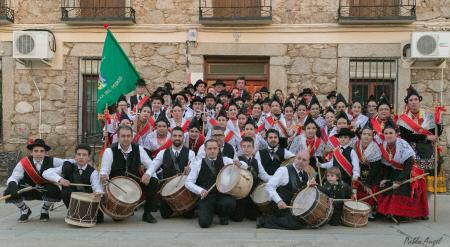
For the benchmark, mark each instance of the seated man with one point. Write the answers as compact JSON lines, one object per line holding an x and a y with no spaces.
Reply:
{"x":79,"y":172}
{"x":28,"y":172}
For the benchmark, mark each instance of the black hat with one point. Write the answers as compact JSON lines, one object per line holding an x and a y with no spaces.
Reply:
{"x":288,"y":104}
{"x":383,"y":101}
{"x":309,"y":120}
{"x":330,"y":109}
{"x":121,"y":98}
{"x":266,"y":101}
{"x":264,"y":90}
{"x":194,"y":124}
{"x":340,"y":98}
{"x":315,"y":100}
{"x":168,"y":86}
{"x":197,"y":99}
{"x":219,"y":82}
{"x":38,"y":143}
{"x":157,"y":97}
{"x":162,"y":118}
{"x":331,"y":94}
{"x":306,"y":91}
{"x":141,"y":82}
{"x":210,"y":95}
{"x":198,"y":82}
{"x":410,"y":92}
{"x":343,"y":115}
{"x":238,"y":99}
{"x":123,"y":116}
{"x":345,"y":132}
{"x":224,"y":93}
{"x":182,"y":94}
{"x":302,"y":102}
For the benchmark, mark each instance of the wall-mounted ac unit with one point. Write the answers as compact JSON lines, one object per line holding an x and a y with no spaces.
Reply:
{"x":32,"y":45}
{"x":430,"y":45}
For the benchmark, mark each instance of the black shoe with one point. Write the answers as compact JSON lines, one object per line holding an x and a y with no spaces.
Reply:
{"x":24,"y":217}
{"x":100,"y":217}
{"x":44,"y":217}
{"x":423,"y":218}
{"x":259,"y":222}
{"x":224,"y":221}
{"x":148,"y":217}
{"x":372,"y":219}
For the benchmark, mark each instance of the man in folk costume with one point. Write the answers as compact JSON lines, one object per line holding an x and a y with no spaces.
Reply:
{"x":173,"y":160}
{"x":182,"y":99}
{"x":124,"y":158}
{"x":272,"y":157}
{"x":218,"y":134}
{"x":219,"y":86}
{"x":79,"y":172}
{"x":275,"y":120}
{"x":201,"y":181}
{"x":315,"y":111}
{"x":144,"y":125}
{"x":225,"y":97}
{"x":240,"y":84}
{"x":306,"y":95}
{"x":408,"y":201}
{"x":210,"y":111}
{"x":250,"y":131}
{"x":138,"y":100}
{"x":194,"y":139}
{"x":198,"y":107}
{"x":282,"y":186}
{"x":418,"y":128}
{"x":28,"y":172}
{"x":346,"y":159}
{"x":200,"y":88}
{"x":309,"y":140}
{"x":124,"y":121}
{"x":159,"y":139}
{"x":331,"y":97}
{"x":112,"y":121}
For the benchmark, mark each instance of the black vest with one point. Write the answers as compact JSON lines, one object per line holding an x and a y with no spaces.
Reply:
{"x":347,"y":154}
{"x":253,"y":168}
{"x":168,"y":166}
{"x":206,"y":178}
{"x":46,"y":164}
{"x":75,"y":177}
{"x":120,"y":166}
{"x":271,"y":165}
{"x":228,"y":151}
{"x":294,"y":185}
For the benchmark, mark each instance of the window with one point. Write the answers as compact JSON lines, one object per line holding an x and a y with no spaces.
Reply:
{"x":372,"y":76}
{"x":240,"y":8}
{"x":97,"y":11}
{"x":373,"y":11}
{"x":235,"y":11}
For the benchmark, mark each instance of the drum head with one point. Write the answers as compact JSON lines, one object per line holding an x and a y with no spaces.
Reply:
{"x":228,"y":177}
{"x":171,"y":187}
{"x":304,"y":201}
{"x":360,"y":206}
{"x":260,"y":194}
{"x":132,"y":189}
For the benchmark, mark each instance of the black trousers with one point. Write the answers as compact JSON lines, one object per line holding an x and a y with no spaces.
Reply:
{"x":282,"y":219}
{"x":166,"y":212}
{"x":151,"y":199}
{"x":66,"y":193}
{"x":50,"y":193}
{"x":216,"y":203}
{"x":245,"y":208}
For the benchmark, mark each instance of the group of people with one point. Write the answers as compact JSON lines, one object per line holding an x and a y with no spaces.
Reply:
{"x":346,"y":150}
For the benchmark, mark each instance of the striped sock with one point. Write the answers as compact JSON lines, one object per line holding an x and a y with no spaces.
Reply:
{"x":22,"y":206}
{"x":46,"y":207}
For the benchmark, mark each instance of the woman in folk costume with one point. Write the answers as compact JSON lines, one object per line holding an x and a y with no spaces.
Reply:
{"x":233,"y":132}
{"x":159,"y":139}
{"x":358,"y":119}
{"x":341,"y":105}
{"x":291,"y":122}
{"x":371,"y":168}
{"x":275,"y":120}
{"x":371,"y":107}
{"x":418,"y":128}
{"x":379,"y":120}
{"x":314,"y":110}
{"x":177,"y":119}
{"x":309,"y":139}
{"x":220,"y":120}
{"x":330,"y":119}
{"x":194,"y":139}
{"x":144,"y":124}
{"x":407,"y":201}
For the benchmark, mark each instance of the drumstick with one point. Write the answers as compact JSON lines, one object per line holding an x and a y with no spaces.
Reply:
{"x":54,"y":208}
{"x":179,"y":181}
{"x":212,"y":187}
{"x":320,"y":175}
{"x":140,"y":204}
{"x":133,"y":176}
{"x":162,"y":180}
{"x":120,"y":188}
{"x":81,"y":185}
{"x":18,"y":192}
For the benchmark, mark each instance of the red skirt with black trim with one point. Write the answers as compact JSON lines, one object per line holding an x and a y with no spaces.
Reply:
{"x":361,"y":193}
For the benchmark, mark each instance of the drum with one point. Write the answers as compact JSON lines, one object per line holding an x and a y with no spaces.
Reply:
{"x":288,"y":161}
{"x":355,"y":214}
{"x":312,"y":207}
{"x":262,"y":199}
{"x":234,"y":181}
{"x":122,"y":195}
{"x":83,"y":209}
{"x":179,"y":199}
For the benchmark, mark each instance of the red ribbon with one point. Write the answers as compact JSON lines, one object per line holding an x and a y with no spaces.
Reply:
{"x":437,"y":113}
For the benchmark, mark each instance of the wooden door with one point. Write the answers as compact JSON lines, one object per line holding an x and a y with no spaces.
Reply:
{"x":102,"y":8}
{"x":236,"y":8}
{"x":374,"y":8}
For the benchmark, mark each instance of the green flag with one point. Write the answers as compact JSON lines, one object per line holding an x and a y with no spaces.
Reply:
{"x":117,"y":74}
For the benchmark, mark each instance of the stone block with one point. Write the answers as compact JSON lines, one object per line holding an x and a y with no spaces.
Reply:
{"x":23,"y":88}
{"x":167,"y":50}
{"x":53,"y":117}
{"x":324,"y":66}
{"x":280,"y":61}
{"x":55,"y":92}
{"x":177,"y":75}
{"x":24,"y":107}
{"x":45,"y":128}
{"x":300,"y":65}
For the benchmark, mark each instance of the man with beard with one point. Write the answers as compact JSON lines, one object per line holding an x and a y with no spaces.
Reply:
{"x":173,"y":160}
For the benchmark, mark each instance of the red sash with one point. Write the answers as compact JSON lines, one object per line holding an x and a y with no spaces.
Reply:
{"x":283,"y":128}
{"x":414,"y":126}
{"x":164,"y":146}
{"x":312,"y":150}
{"x":31,"y":171}
{"x":377,"y":127}
{"x":213,"y":122}
{"x":270,"y":120}
{"x":385,"y":155}
{"x":343,"y":162}
{"x":140,"y":104}
{"x":260,"y":128}
{"x":143,"y":130}
{"x":198,"y":143}
{"x":229,"y":136}
{"x":185,"y":125}
{"x":323,"y":135}
{"x":359,"y":151}
{"x":334,"y":141}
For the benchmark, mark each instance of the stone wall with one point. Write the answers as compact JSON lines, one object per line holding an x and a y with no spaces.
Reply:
{"x":166,"y":11}
{"x":433,"y":10}
{"x":304,"y":12}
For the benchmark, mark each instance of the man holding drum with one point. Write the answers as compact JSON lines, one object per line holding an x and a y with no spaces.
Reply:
{"x":282,"y":187}
{"x":124,"y":158}
{"x":79,"y":172}
{"x":202,"y":181}
{"x":174,"y":160}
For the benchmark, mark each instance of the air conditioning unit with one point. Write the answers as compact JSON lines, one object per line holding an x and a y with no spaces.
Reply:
{"x":430,"y":45}
{"x":32,"y":45}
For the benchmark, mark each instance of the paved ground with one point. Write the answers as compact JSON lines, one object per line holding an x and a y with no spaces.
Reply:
{"x":182,"y":232}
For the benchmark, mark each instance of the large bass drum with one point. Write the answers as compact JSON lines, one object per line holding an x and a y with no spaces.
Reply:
{"x":179,"y":199}
{"x":312,"y":207}
{"x":122,"y":195}
{"x":234,"y":181}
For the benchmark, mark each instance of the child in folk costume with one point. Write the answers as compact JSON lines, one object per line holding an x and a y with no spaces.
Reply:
{"x":331,"y":97}
{"x":194,"y":139}
{"x":345,"y":158}
{"x":138,"y":100}
{"x":157,"y":102}
{"x":275,"y":120}
{"x":335,"y":188}
{"x":383,"y":114}
{"x":418,"y":128}
{"x":159,"y":139}
{"x":315,"y":109}
{"x":408,"y":200}
{"x":359,"y":120}
{"x":144,"y":125}
{"x":333,"y":142}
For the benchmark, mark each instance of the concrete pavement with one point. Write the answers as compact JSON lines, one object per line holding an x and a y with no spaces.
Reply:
{"x":183,"y":232}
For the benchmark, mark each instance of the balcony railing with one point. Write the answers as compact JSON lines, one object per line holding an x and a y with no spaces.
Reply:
{"x":376,"y":11}
{"x":97,"y":12}
{"x":6,"y":13}
{"x":238,"y":12}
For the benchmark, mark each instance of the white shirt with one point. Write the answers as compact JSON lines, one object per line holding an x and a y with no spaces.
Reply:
{"x":355,"y":162}
{"x":195,"y":170}
{"x":18,"y":172}
{"x":157,"y":162}
{"x":202,"y":153}
{"x":262,"y":174}
{"x":107,"y":159}
{"x":54,"y":175}
{"x":287,"y":155}
{"x":280,"y":178}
